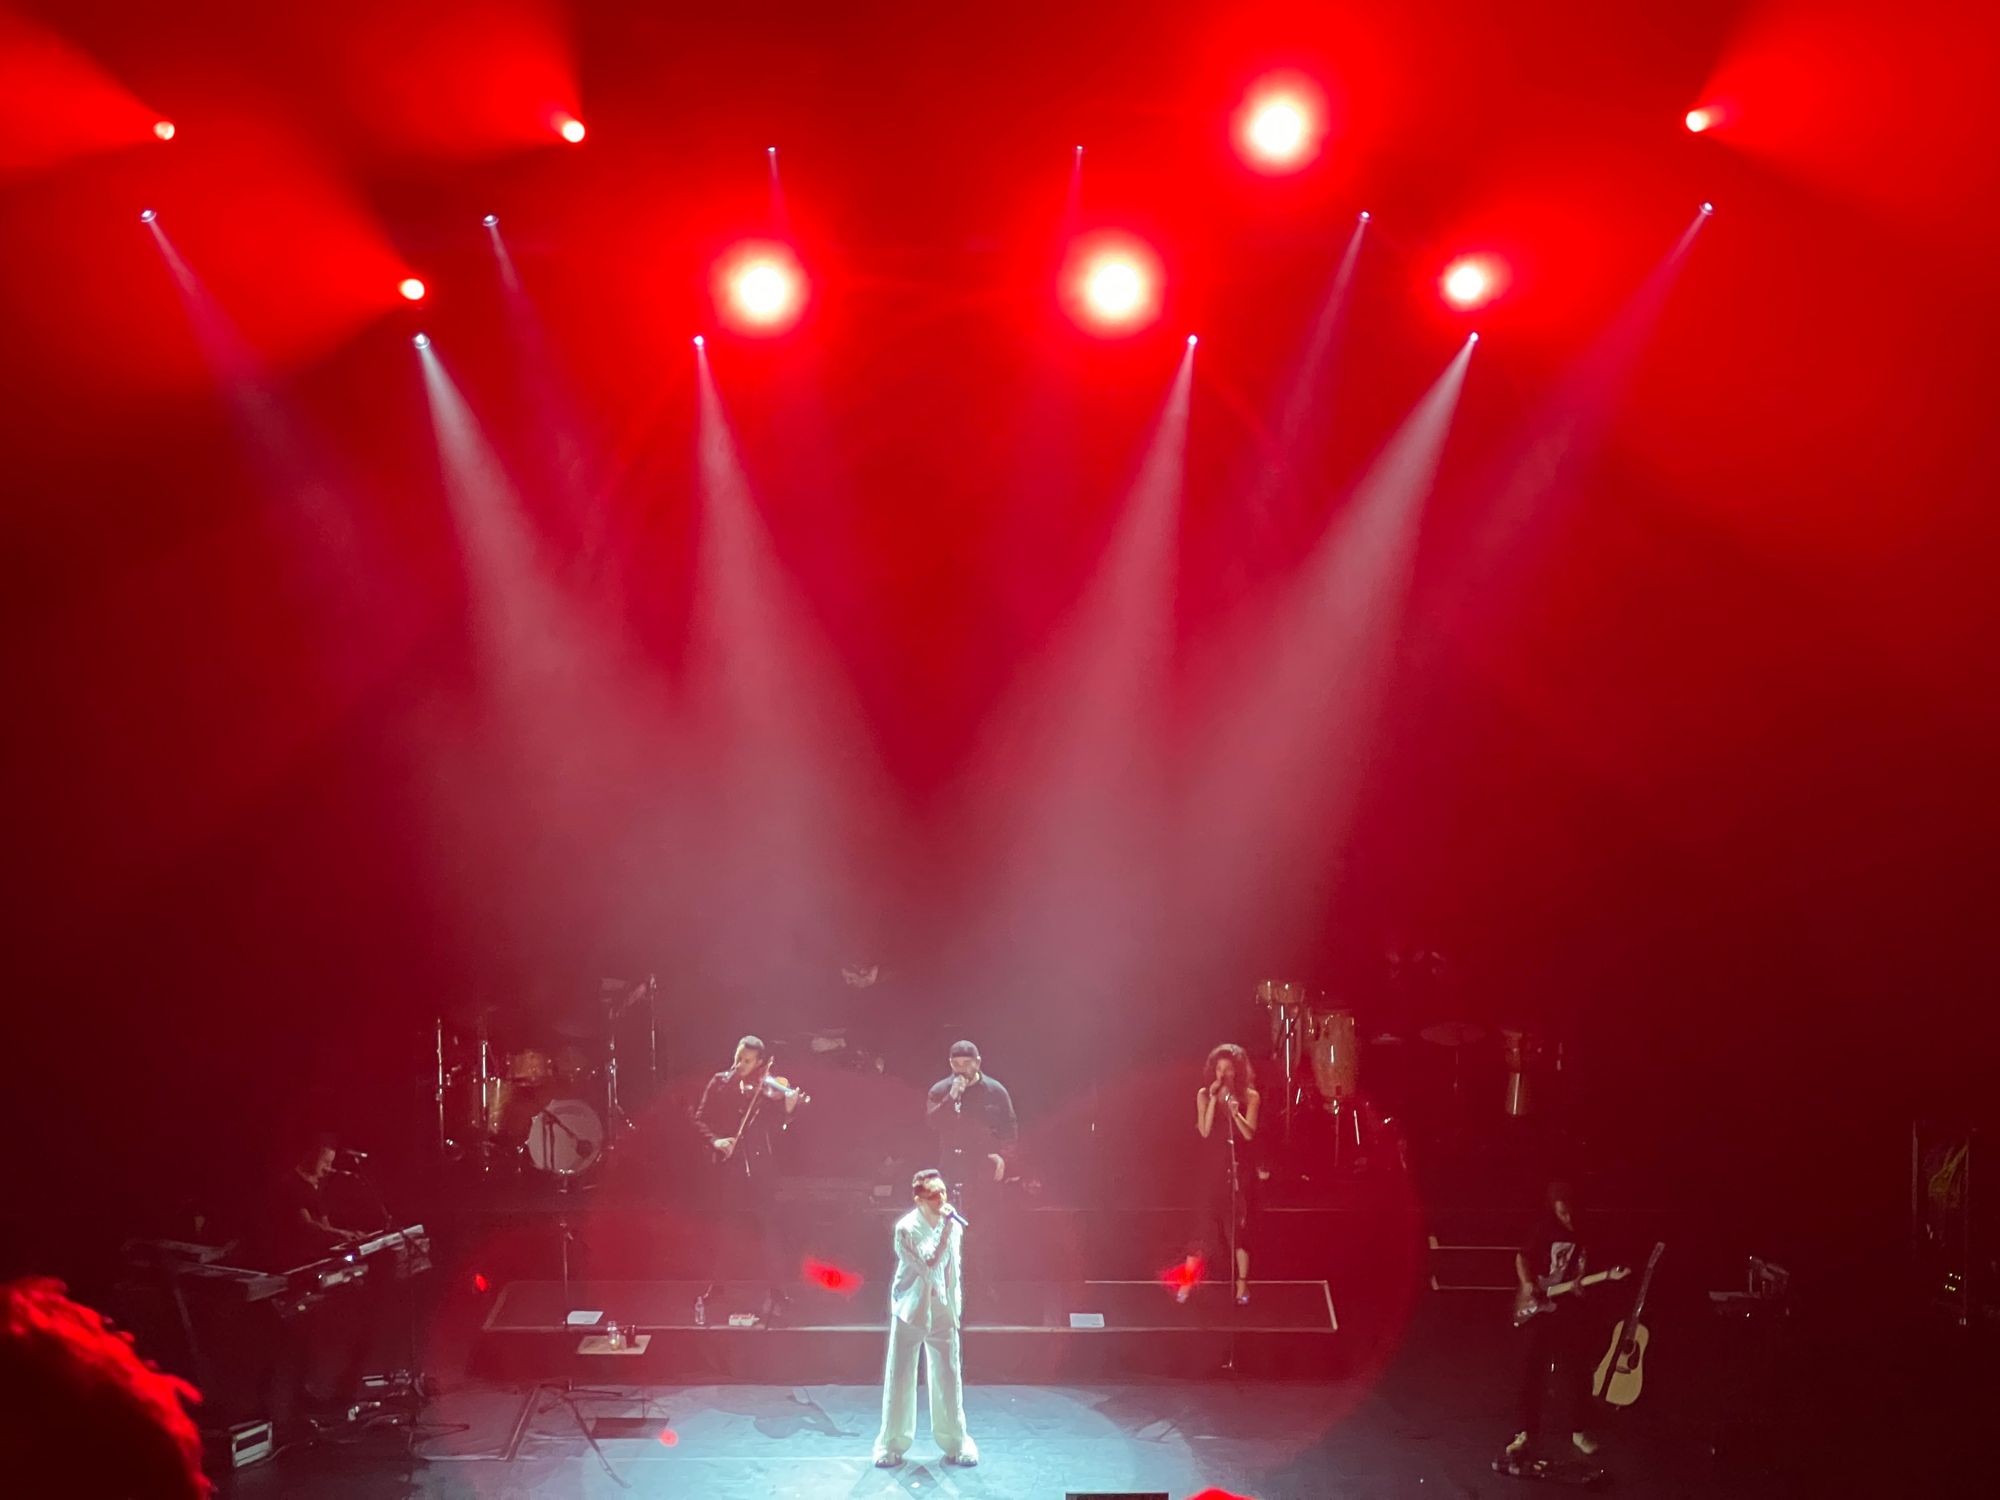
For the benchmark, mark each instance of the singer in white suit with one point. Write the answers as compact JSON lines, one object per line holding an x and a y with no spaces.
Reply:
{"x":924,"y":1305}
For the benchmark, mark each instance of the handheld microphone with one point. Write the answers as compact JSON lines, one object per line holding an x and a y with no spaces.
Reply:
{"x":953,"y":1213}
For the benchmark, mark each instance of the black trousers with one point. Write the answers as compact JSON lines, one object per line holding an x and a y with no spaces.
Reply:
{"x":1555,"y":1375}
{"x":750,"y":1242}
{"x":984,"y":1203}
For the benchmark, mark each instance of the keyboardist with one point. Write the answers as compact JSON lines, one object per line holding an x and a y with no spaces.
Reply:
{"x":301,"y":1228}
{"x":322,"y":1352}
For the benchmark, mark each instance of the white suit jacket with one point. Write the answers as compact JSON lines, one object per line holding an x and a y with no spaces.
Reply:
{"x":925,"y":1293}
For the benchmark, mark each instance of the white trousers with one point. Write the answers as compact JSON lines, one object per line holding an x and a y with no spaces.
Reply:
{"x":899,"y":1391}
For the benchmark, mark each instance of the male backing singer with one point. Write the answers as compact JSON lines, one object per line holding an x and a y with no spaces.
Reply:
{"x":924,"y":1306}
{"x":973,"y":1117}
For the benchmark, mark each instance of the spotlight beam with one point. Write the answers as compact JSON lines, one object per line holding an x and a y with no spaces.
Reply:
{"x":786,"y":756}
{"x":1295,"y":705}
{"x":1305,"y":397}
{"x":1071,"y":843}
{"x":1563,"y":437}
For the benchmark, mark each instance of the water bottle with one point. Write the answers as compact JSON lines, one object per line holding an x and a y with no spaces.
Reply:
{"x":701,"y":1309}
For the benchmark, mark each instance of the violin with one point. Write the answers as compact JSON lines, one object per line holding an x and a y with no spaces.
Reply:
{"x":771,"y":1086}
{"x":778,"y":1087}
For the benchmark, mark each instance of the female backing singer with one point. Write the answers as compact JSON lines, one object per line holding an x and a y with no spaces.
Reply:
{"x":1225,"y":1116}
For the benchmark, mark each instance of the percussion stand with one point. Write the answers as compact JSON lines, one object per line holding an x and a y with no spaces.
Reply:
{"x":1289,"y":1055}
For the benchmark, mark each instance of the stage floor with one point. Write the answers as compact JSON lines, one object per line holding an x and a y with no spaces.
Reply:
{"x":1425,"y":1421}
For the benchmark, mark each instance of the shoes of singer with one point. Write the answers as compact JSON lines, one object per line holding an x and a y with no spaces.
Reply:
{"x":966,"y":1458}
{"x":1585,"y":1443}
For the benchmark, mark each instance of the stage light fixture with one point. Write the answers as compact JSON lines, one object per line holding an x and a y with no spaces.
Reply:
{"x":1699,"y":120}
{"x":412,"y":289}
{"x":762,"y":291}
{"x":1366,"y":216}
{"x":1111,"y":282}
{"x":164,"y":129}
{"x":1192,"y":340}
{"x":1114,"y":289}
{"x":422,"y":341}
{"x":1279,"y":127}
{"x":760,"y":288}
{"x":491,"y":221}
{"x":570,"y":128}
{"x":700,"y":342}
{"x":1472,"y":338}
{"x":1708,"y":208}
{"x":1472,"y":281}
{"x":147,"y":215}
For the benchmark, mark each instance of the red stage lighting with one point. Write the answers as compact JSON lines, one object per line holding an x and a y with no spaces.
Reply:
{"x":164,"y":129}
{"x":1699,"y":120}
{"x":412,"y":289}
{"x":1280,"y":125}
{"x":1472,"y":281}
{"x":570,"y":128}
{"x":761,"y":289}
{"x":832,"y":1277}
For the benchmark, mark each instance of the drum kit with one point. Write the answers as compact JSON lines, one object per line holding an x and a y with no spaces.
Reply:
{"x":536,"y":1107}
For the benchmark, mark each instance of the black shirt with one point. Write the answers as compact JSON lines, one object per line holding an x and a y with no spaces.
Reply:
{"x":1554,"y":1253}
{"x":981,"y":1122}
{"x":285,"y":1240}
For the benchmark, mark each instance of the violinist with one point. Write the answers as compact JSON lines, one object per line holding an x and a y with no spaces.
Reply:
{"x":742,"y":1111}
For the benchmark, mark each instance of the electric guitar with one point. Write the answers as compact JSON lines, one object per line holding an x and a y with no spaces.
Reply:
{"x":1621,"y":1371}
{"x":1529,"y":1307}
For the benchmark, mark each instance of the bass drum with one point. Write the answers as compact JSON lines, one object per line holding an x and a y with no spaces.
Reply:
{"x":1334,"y":1047}
{"x":565,"y":1138}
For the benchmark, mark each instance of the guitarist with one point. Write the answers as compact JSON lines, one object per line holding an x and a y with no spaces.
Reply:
{"x":1559,"y":1353}
{"x":741,"y":1110}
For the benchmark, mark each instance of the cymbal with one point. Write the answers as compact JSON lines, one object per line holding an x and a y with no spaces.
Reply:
{"x":1452,"y":1033}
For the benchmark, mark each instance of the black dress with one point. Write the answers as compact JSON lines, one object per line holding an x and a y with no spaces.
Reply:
{"x":1211,"y":1237}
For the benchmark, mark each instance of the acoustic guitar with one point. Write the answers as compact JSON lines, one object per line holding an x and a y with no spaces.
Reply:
{"x":1622,"y":1370}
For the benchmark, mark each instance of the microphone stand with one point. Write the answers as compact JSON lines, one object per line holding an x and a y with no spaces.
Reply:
{"x":1235,"y":1216}
{"x":546,"y":1118}
{"x":359,"y":1173}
